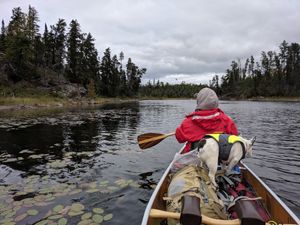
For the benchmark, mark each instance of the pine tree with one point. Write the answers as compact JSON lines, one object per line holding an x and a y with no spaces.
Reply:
{"x":134,"y":75}
{"x":2,"y":37}
{"x":89,"y":64}
{"x":17,"y":46}
{"x":47,"y":45}
{"x":73,"y":52}
{"x":106,"y":73}
{"x":59,"y":45}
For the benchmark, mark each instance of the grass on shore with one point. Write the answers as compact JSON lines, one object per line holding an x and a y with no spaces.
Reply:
{"x":41,"y":100}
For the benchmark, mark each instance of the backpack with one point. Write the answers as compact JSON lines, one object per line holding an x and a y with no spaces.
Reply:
{"x":194,"y":181}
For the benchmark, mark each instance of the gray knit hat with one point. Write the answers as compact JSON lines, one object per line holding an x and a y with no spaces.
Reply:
{"x":207,"y":99}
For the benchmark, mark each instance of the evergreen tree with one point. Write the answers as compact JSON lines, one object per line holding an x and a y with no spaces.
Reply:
{"x":32,"y":27}
{"x":134,"y":75}
{"x":2,"y":37}
{"x":17,"y":46}
{"x":73,"y":52}
{"x":47,"y":47}
{"x":59,"y":45}
{"x":90,"y":63}
{"x":106,"y":73}
{"x":123,"y":81}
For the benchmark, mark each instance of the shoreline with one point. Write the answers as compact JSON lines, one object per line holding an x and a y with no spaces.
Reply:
{"x":21,"y":103}
{"x":24,"y":103}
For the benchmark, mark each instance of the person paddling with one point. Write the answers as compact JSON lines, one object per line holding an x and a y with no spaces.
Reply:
{"x":206,"y":119}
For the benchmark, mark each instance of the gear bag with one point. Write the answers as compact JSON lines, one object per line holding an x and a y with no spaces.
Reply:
{"x":194,"y":181}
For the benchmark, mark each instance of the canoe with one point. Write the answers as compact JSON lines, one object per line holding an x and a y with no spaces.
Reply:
{"x":155,"y":212}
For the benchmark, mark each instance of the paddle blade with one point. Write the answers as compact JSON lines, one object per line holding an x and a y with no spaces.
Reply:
{"x":150,"y":139}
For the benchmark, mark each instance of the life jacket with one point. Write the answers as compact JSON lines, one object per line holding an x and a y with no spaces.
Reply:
{"x":225,"y":142}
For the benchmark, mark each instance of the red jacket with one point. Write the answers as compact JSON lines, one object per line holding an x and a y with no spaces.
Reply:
{"x":199,"y":123}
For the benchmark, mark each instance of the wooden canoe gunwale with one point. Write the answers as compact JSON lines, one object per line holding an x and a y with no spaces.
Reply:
{"x":265,"y":193}
{"x":289,"y":217}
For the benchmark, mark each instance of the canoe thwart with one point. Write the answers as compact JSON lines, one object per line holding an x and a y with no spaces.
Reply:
{"x":156,"y":213}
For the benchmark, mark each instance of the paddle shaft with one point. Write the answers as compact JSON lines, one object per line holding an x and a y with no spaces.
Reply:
{"x":156,"y":213}
{"x":156,"y":138}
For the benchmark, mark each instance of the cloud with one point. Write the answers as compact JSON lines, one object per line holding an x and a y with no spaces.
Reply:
{"x":190,"y":40}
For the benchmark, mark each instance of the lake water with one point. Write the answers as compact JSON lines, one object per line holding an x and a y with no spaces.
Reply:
{"x":84,"y":165}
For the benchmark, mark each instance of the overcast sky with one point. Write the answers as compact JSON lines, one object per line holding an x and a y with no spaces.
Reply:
{"x":176,"y":40}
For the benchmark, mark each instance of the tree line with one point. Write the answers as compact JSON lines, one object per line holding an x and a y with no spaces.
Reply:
{"x":274,"y":74}
{"x":160,"y":89}
{"x":62,"y":55}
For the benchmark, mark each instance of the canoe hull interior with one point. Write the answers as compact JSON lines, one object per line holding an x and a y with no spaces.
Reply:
{"x":278,"y":210}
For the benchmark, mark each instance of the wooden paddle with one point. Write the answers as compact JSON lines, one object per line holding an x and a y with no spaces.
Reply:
{"x":150,"y":139}
{"x":156,"y":213}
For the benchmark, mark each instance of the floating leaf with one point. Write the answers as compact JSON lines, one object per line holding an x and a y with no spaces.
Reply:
{"x":11,"y":160}
{"x":9,"y":223}
{"x":112,"y":188}
{"x":86,"y":216}
{"x":85,"y":222}
{"x":134,"y":184}
{"x":98,"y":210}
{"x":75,"y":213}
{"x":77,"y":207}
{"x":108,"y":217}
{"x":16,"y":208}
{"x":32,"y":212}
{"x":43,"y":222}
{"x":58,"y":208}
{"x":76,"y":191}
{"x":57,"y":164}
{"x":62,"y":221}
{"x":92,"y":190}
{"x":21,"y":217}
{"x":36,"y":156}
{"x":55,"y":217}
{"x":26,"y":151}
{"x":97,"y":218}
{"x":93,"y":185}
{"x":42,"y":203}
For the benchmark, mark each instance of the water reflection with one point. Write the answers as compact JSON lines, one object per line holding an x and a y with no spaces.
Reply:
{"x":90,"y":156}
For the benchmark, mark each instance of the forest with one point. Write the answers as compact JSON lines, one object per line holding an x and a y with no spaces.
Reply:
{"x":275,"y":74}
{"x":61,"y":56}
{"x":64,"y":57}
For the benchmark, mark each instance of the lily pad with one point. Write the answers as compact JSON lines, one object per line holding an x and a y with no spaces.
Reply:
{"x":76,"y":191}
{"x":98,"y":210}
{"x":43,"y":222}
{"x":75,"y":213}
{"x":104,"y":182}
{"x":21,"y":217}
{"x":85,"y":222}
{"x":9,"y":223}
{"x":26,"y":151}
{"x":93,"y":190}
{"x":112,"y":188}
{"x":36,"y":156}
{"x":62,"y":221}
{"x":9,"y":213}
{"x":58,"y":208}
{"x":97,"y":218}
{"x":108,"y":217}
{"x":32,"y":212}
{"x":77,"y":207}
{"x":57,"y":164}
{"x":86,"y":216}
{"x":55,"y":217}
